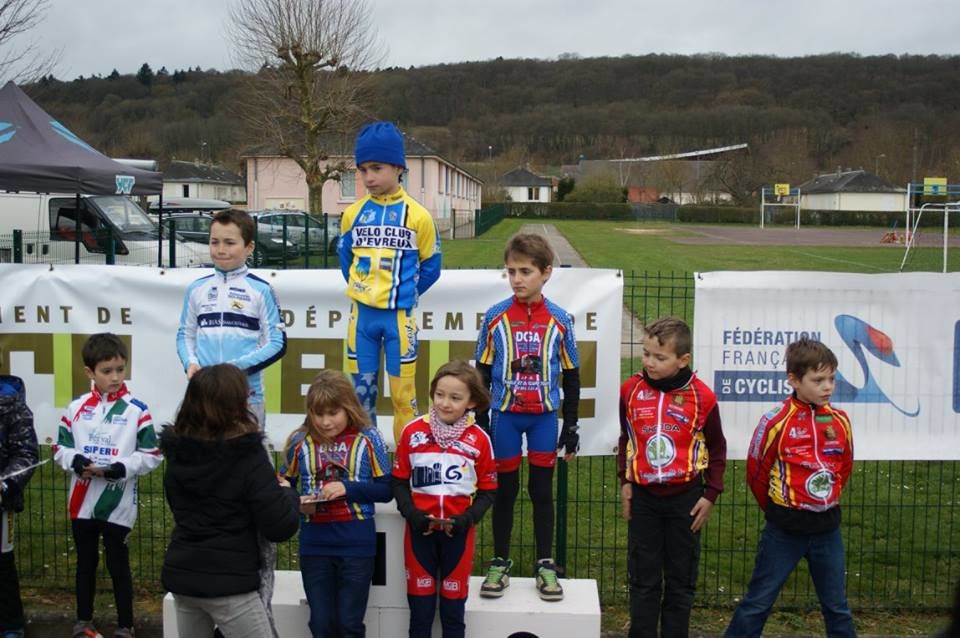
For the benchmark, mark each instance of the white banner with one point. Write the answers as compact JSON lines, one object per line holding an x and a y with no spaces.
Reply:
{"x":47,"y":312}
{"x":895,"y":337}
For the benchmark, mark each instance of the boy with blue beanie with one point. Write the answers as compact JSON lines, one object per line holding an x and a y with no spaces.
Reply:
{"x":389,"y":256}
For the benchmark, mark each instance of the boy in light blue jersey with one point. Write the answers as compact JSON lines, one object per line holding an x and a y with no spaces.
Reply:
{"x":389,"y":256}
{"x":231,"y":315}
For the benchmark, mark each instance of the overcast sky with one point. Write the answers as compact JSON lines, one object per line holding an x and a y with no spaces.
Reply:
{"x":97,"y":36}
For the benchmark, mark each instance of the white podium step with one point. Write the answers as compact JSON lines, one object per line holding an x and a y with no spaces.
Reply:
{"x":520,"y":608}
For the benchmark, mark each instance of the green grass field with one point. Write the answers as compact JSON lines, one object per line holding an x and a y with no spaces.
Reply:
{"x":901,"y":518}
{"x":604,"y":244}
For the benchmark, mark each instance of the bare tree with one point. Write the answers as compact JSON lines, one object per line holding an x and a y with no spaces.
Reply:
{"x":306,"y":92}
{"x":20,"y":60}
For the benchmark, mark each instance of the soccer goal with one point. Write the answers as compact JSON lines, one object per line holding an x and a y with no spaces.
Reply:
{"x":780,"y":196}
{"x":931,"y":197}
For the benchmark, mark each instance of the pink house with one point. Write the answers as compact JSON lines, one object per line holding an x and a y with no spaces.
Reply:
{"x":450,"y":193}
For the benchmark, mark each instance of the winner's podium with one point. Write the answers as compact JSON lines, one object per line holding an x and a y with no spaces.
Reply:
{"x":520,"y":608}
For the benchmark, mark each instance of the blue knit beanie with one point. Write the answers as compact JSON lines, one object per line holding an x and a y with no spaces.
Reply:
{"x":380,"y":142}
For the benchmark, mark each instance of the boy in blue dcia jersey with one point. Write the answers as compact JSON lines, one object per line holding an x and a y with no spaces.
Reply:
{"x":389,"y":256}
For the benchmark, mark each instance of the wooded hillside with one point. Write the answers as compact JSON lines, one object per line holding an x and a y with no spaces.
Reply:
{"x":896,"y":114}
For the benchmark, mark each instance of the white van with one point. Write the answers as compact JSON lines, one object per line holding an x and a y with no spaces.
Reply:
{"x":49,"y":222}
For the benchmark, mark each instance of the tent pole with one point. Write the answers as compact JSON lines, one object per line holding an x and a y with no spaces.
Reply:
{"x":160,"y":234}
{"x":77,"y":228}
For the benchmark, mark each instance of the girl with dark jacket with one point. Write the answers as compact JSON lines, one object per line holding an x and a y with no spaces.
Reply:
{"x":223,"y":491}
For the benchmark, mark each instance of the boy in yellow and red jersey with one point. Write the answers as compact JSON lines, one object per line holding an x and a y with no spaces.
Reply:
{"x":800,"y":458}
{"x":670,"y":462}
{"x":389,"y":256}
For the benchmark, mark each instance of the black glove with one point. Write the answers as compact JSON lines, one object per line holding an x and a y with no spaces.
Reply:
{"x":419,"y":521}
{"x":115,"y":471}
{"x":461,"y":523}
{"x":80,"y":462}
{"x":482,"y":418}
{"x":569,"y":439}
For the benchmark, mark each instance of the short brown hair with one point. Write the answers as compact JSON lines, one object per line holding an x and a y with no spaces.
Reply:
{"x":241,"y":219}
{"x":671,"y":329}
{"x":532,"y":246}
{"x":102,"y":347}
{"x":470,"y":377}
{"x":215,"y":404}
{"x":807,"y":354}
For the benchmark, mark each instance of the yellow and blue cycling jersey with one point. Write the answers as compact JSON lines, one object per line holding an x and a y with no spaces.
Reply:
{"x":389,"y":251}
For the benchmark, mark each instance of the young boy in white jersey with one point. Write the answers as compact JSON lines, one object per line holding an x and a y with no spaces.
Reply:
{"x":106,"y":438}
{"x":231,"y":315}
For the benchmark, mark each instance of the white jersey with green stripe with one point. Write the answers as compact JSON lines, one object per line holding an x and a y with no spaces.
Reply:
{"x":107,"y":429}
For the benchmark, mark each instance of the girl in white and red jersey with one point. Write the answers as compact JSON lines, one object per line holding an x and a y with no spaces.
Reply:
{"x":444,"y":480}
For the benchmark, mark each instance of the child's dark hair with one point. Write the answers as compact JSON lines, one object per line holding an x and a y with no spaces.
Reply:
{"x":215,"y":404}
{"x":101,"y":347}
{"x":242,"y":220}
{"x":470,"y":377}
{"x":671,"y":330}
{"x":806,"y":354}
{"x":532,"y":246}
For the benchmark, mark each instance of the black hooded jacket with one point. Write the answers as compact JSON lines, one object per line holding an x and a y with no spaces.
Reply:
{"x":223,"y":494}
{"x":18,"y":442}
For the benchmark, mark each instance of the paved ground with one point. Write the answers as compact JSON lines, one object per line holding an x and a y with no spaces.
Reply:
{"x":630,"y":328}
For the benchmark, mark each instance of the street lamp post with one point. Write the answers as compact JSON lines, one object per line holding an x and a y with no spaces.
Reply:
{"x":876,"y":164}
{"x":490,"y":152}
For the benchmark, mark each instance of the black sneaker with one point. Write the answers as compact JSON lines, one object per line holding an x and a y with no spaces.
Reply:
{"x":498,"y":578}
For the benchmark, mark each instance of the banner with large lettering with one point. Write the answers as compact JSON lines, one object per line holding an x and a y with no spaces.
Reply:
{"x":47,"y":312}
{"x":895,"y":337}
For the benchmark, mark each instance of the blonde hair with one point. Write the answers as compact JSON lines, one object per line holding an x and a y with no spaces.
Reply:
{"x":329,"y":391}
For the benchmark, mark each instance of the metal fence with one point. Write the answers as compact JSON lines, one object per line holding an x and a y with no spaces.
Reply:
{"x":459,"y":224}
{"x":901,"y":519}
{"x":487,"y":218}
{"x":282,"y":239}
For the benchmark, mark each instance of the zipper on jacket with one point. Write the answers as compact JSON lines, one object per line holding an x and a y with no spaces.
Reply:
{"x":442,"y":512}
{"x":220,"y":299}
{"x":659,"y":433}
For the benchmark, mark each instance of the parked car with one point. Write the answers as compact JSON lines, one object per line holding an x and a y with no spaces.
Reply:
{"x":195,"y":227}
{"x":49,"y":225}
{"x":306,"y":230}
